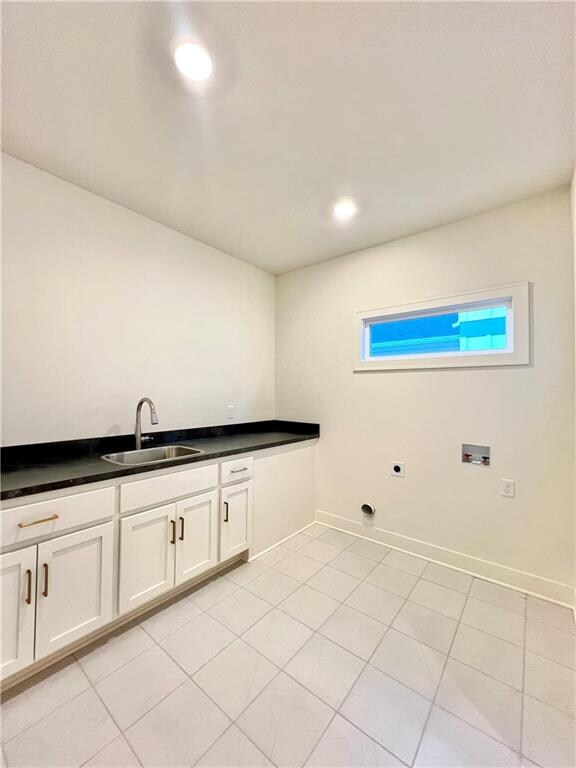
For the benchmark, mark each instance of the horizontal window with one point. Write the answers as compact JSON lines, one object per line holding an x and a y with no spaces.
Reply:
{"x":484,"y":328}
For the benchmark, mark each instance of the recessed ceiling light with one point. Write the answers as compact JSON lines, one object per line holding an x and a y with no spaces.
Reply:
{"x":344,"y":210}
{"x":193,"y":61}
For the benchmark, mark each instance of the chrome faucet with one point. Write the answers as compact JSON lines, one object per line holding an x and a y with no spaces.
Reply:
{"x":153,"y":419}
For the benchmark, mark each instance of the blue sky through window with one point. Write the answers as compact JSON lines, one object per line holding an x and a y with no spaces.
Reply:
{"x":472,"y":331}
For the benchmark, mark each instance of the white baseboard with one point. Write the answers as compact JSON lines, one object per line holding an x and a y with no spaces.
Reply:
{"x":528,"y":583}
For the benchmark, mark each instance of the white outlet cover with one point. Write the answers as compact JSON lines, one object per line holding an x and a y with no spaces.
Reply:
{"x":508,"y":488}
{"x":398,"y":468}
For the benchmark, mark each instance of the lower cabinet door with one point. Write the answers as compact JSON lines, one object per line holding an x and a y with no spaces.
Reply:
{"x":235,"y":520}
{"x":18,"y":596}
{"x":197,"y":530}
{"x":74,"y":587}
{"x":147,"y":546}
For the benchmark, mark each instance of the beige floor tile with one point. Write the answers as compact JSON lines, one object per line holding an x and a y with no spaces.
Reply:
{"x":117,"y":754}
{"x":113,"y":652}
{"x":235,"y":677}
{"x":234,"y":750}
{"x":451,"y":743}
{"x":387,"y":711}
{"x":556,"y":615}
{"x":405,"y":562}
{"x":320,"y":551}
{"x":391,"y":579}
{"x":548,"y":735}
{"x":246,"y":572}
{"x":325,"y":669}
{"x":41,"y":696}
{"x":447,"y":577}
{"x":427,"y":626}
{"x":309,"y":606}
{"x":354,"y":631}
{"x":437,"y":598}
{"x":277,"y":636}
{"x":552,"y":683}
{"x":213,"y":592}
{"x":176,"y":732}
{"x":197,"y":642}
{"x":273,"y":586}
{"x":285,"y":721}
{"x":500,"y":596}
{"x":375,"y":602}
{"x":494,"y":620}
{"x":334,"y":583}
{"x":240,"y":611}
{"x":552,"y":643}
{"x":344,"y":746}
{"x":167,"y":620}
{"x":353,"y":564}
{"x":299,"y":567}
{"x":482,"y":701}
{"x":491,"y":655}
{"x":66,"y":738}
{"x":370,"y":549}
{"x":137,"y":686}
{"x":412,"y":663}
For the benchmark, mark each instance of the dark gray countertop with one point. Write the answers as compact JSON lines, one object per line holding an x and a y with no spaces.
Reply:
{"x":28,"y":470}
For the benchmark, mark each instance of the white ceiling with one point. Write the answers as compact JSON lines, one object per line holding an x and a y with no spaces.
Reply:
{"x":426,"y":112}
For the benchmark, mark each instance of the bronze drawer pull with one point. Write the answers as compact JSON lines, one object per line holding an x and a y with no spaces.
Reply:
{"x":173,"y":524}
{"x":241,"y":469}
{"x":45,"y":590}
{"x":181,"y":537}
{"x":29,"y":587}
{"x":37,"y":522}
{"x":225,"y":511}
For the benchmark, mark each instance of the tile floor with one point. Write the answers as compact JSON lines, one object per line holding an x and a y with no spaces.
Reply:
{"x":327,"y":651}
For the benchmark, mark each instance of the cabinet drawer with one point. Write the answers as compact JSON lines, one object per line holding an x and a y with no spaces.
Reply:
{"x":158,"y":490}
{"x":236,"y":470}
{"x":56,"y":515}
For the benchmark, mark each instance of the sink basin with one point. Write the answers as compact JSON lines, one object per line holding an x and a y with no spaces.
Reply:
{"x":151,"y":455}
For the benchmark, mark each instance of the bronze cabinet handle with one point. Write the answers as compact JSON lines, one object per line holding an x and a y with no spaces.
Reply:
{"x":173,"y":524}
{"x":37,"y":522}
{"x":45,"y":590}
{"x":241,"y":469}
{"x":225,"y":511}
{"x":29,"y":586}
{"x":181,"y":537}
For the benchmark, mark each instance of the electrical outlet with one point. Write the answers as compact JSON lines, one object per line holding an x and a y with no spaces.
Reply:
{"x":508,"y":488}
{"x":230,"y":411}
{"x":398,"y":468}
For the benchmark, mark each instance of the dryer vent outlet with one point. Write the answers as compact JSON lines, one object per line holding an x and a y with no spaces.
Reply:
{"x":368,"y":509}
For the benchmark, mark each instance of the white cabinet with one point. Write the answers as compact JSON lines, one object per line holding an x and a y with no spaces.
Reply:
{"x":55,"y":593}
{"x":73,"y":587}
{"x":235,"y":520}
{"x":197,"y":536}
{"x":146,"y":556}
{"x":165,"y":547}
{"x":18,"y":594}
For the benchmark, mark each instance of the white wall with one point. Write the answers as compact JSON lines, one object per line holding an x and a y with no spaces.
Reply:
{"x":102,"y":306}
{"x":442,"y":509}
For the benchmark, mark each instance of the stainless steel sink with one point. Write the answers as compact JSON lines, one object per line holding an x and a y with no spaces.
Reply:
{"x":151,"y":455}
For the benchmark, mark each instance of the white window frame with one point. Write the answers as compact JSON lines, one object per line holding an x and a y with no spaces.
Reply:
{"x":516,"y":297}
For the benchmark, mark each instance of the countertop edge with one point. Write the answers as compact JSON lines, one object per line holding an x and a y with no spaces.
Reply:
{"x":111,"y":473}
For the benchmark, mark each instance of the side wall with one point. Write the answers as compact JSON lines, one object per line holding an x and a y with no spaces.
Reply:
{"x":442,"y":509}
{"x":102,"y":306}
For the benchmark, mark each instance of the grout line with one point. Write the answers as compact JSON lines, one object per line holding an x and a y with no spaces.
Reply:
{"x":315,"y":631}
{"x":447,"y":657}
{"x":31,"y":725}
{"x":523,"y":681}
